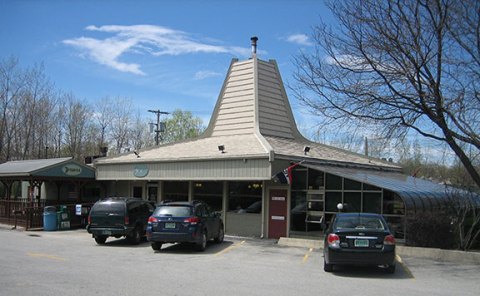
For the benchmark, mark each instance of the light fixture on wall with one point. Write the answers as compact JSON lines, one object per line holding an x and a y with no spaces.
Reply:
{"x":221,"y":148}
{"x":306,"y":149}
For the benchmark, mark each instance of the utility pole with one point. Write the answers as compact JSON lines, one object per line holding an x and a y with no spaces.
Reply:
{"x":158,"y":130}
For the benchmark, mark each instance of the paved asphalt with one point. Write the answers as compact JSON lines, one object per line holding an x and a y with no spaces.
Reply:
{"x":70,"y":263}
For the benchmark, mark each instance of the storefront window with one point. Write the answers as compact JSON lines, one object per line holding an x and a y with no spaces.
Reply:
{"x":316,"y":179}
{"x":392,"y":204}
{"x":352,"y":201}
{"x":245,"y":197}
{"x":367,"y":187}
{"x":299,"y":179}
{"x":210,"y":193}
{"x":332,"y":199}
{"x":298,"y":210}
{"x":175,"y":191}
{"x":334,"y":182}
{"x":352,"y":185}
{"x":244,"y":209}
{"x":372,"y":202}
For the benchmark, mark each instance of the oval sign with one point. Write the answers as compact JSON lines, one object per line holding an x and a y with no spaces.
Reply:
{"x":72,"y":170}
{"x":140,"y":170}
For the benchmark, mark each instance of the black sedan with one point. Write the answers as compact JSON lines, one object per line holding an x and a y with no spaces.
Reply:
{"x":184,"y":222}
{"x":359,"y":239}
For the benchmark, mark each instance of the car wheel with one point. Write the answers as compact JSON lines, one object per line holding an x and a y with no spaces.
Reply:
{"x":203,"y":243}
{"x":135,"y":237}
{"x":327,"y":267}
{"x":156,"y":246}
{"x":390,"y":269}
{"x":101,"y":239}
{"x":220,"y":236}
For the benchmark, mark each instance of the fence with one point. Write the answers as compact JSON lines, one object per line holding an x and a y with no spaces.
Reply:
{"x":28,"y":214}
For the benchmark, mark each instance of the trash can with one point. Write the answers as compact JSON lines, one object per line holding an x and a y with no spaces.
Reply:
{"x":63,"y":218}
{"x":49,"y":218}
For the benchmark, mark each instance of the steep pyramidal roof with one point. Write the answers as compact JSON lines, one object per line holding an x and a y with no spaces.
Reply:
{"x":252,"y":118}
{"x":253,"y":100}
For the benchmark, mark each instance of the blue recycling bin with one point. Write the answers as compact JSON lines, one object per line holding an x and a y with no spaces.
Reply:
{"x":49,"y":218}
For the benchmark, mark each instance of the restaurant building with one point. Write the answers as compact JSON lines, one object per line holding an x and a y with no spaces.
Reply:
{"x":234,"y":164}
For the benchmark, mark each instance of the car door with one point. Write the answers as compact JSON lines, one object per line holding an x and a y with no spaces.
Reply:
{"x":212,"y":221}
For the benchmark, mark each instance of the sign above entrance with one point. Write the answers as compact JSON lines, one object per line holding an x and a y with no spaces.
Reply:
{"x":140,"y":171}
{"x":72,"y":170}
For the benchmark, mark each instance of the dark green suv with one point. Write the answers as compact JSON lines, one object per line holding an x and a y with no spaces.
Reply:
{"x":117,"y":217}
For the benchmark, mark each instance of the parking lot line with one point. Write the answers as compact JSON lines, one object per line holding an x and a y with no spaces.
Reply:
{"x":305,"y":258}
{"x":48,"y":256}
{"x":226,"y":250}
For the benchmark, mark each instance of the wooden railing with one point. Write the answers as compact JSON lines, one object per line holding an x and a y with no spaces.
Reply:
{"x":28,"y":214}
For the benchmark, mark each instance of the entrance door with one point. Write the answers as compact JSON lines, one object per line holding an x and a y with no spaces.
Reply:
{"x":277,"y":213}
{"x":152,"y":192}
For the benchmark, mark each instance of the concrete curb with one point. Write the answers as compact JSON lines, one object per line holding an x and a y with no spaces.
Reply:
{"x":430,"y":253}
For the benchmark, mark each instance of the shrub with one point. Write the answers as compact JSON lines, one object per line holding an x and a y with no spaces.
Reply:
{"x":430,"y":230}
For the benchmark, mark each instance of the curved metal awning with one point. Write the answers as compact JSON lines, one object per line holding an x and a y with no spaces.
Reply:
{"x":46,"y":169}
{"x":417,"y":194}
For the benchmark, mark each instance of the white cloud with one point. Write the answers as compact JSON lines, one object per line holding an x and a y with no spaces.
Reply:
{"x":301,"y":39}
{"x":200,"y":75}
{"x":142,"y":39}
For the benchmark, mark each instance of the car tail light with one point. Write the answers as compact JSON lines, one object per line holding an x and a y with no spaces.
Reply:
{"x":389,"y":240}
{"x":89,"y":219}
{"x":127,"y":220}
{"x":152,"y":219}
{"x":333,"y":240}
{"x":192,"y":220}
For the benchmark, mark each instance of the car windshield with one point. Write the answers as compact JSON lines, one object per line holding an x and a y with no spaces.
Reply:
{"x":359,"y":222}
{"x":173,"y":211}
{"x":109,"y":207}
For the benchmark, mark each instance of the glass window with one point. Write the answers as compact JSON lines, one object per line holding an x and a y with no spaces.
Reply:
{"x":331,"y":201}
{"x":173,"y":211}
{"x":333,"y":182}
{"x":209,"y":192}
{"x":352,"y":185}
{"x":299,"y":178}
{"x":392,"y":204}
{"x":352,"y":201}
{"x":298,"y":210}
{"x":175,"y":190}
{"x":315,"y":179}
{"x":372,"y":202}
{"x":137,"y":191}
{"x":245,"y":196}
{"x":368,"y":187}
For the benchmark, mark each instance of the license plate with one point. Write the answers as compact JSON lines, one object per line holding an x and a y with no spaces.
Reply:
{"x":169,"y":225}
{"x":106,"y":232}
{"x":361,"y":243}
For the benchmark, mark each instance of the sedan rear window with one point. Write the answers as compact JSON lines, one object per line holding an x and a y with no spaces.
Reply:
{"x":173,"y":211}
{"x":359,"y":222}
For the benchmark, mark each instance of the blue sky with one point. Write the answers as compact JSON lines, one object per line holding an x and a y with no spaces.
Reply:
{"x":163,"y":55}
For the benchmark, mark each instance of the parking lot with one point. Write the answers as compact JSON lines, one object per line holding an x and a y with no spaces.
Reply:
{"x":71,"y":263}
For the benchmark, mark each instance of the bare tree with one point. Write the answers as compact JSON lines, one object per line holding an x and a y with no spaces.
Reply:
{"x":104,"y":114}
{"x":76,"y":119}
{"x":121,"y":124}
{"x":12,"y":85}
{"x":410,"y":65}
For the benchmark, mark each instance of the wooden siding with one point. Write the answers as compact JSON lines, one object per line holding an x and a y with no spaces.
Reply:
{"x":274,"y":118}
{"x":234,"y":169}
{"x":236,"y":114}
